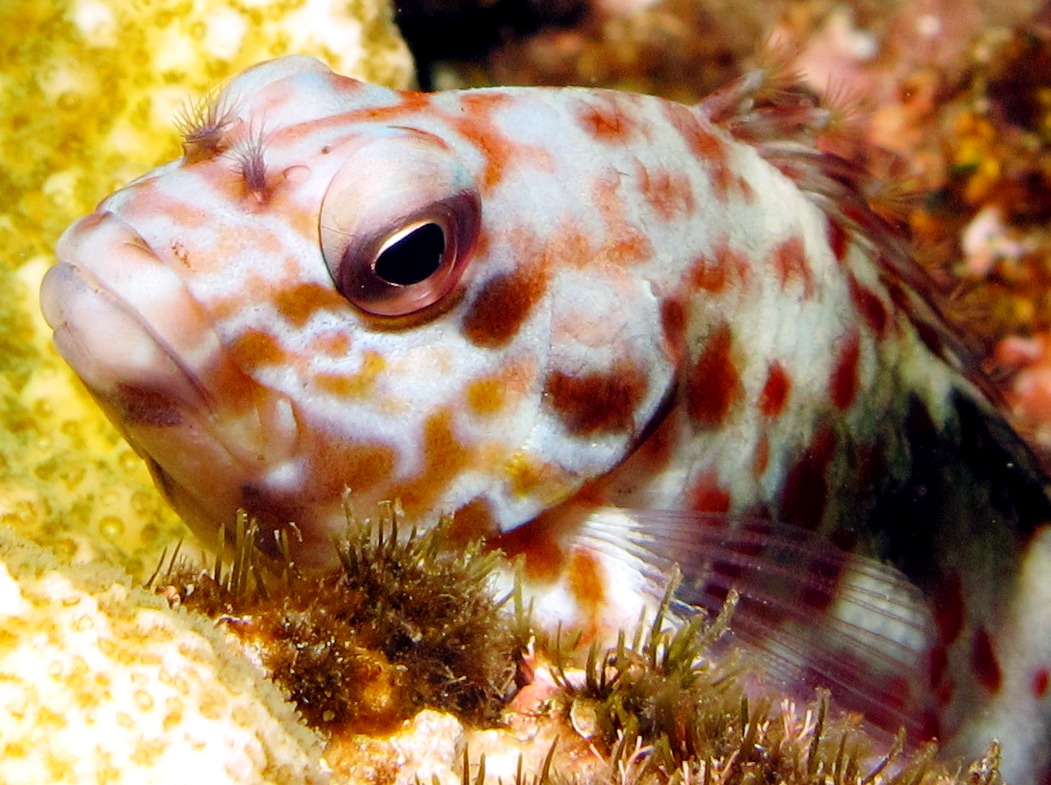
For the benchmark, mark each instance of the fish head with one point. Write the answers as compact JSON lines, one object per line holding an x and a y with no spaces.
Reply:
{"x":330,"y":291}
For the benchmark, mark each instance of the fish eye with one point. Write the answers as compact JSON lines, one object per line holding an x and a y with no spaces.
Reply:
{"x":398,"y":224}
{"x":412,"y":255}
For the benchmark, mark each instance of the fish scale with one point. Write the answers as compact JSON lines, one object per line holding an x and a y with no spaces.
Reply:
{"x":612,"y":334}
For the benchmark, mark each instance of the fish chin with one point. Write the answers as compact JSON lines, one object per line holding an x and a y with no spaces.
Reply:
{"x":160,"y":373}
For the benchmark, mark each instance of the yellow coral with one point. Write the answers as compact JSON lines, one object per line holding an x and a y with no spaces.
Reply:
{"x":101,"y":682}
{"x":89,"y":89}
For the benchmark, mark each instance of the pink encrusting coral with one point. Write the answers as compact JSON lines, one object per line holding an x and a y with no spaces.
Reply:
{"x":611,"y":333}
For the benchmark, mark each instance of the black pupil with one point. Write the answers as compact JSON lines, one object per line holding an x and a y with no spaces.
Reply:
{"x":414,"y":257}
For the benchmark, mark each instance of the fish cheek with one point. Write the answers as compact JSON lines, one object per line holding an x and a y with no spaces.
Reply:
{"x":612,"y":367}
{"x":203,"y":519}
{"x":360,"y":466}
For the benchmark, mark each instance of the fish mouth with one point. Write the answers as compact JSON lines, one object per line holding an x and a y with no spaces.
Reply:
{"x":152,"y":358}
{"x":148,"y":365}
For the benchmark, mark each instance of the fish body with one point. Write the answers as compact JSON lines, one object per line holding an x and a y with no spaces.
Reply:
{"x":610,"y":333}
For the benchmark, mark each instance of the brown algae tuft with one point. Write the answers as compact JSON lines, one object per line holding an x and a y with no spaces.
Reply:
{"x":659,"y":710}
{"x":401,"y":625}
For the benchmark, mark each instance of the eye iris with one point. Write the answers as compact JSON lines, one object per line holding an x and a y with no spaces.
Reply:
{"x":413,"y":257}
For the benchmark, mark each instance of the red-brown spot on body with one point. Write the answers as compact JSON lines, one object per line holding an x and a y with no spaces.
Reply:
{"x":545,"y":558}
{"x":790,"y":263}
{"x":673,"y":325}
{"x":255,"y":348}
{"x":723,"y":179}
{"x":587,"y":584}
{"x":566,"y":246}
{"x":947,"y":605}
{"x":775,"y":390}
{"x":704,"y":143}
{"x":358,"y":384}
{"x":838,"y":239}
{"x":931,"y":338}
{"x":602,"y":117}
{"x":870,"y":306}
{"x":472,"y":522}
{"x":1041,"y":682}
{"x":445,"y":457}
{"x":726,"y":267}
{"x":902,"y":298}
{"x":599,"y":402}
{"x":744,"y":189}
{"x":761,"y":458}
{"x":623,"y":242}
{"x":182,"y":212}
{"x":713,"y":385}
{"x":698,"y":137}
{"x":503,"y":303}
{"x":484,"y":396}
{"x":985,"y":662}
{"x":334,"y":343}
{"x":668,"y":193}
{"x":475,"y":122}
{"x":939,"y":667}
{"x":708,"y":495}
{"x":224,"y":308}
{"x":707,"y":146}
{"x":346,"y":463}
{"x":805,"y":491}
{"x":899,"y":296}
{"x":490,"y":393}
{"x":843,"y":386}
{"x":410,"y":102}
{"x":143,"y":407}
{"x":298,"y":303}
{"x":265,"y":282}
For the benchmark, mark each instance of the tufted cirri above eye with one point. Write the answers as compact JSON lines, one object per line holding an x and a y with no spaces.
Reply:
{"x":398,"y":223}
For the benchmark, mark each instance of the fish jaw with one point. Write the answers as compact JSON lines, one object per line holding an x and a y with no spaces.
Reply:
{"x":160,"y":374}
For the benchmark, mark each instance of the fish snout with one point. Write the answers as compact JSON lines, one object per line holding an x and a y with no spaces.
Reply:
{"x":125,"y":322}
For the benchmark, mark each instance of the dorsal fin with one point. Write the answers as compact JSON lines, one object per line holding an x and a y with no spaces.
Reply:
{"x":793,"y":129}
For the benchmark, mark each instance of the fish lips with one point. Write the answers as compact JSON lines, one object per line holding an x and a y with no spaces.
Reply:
{"x":126,"y":323}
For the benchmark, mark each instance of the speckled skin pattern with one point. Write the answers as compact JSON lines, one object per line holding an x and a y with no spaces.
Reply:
{"x":529,"y":305}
